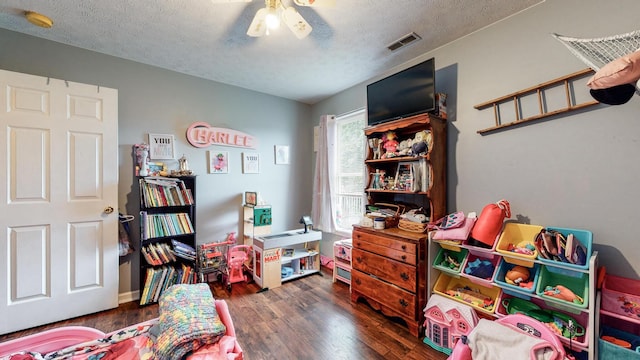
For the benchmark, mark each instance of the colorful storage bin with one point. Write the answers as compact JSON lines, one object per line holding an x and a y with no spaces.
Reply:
{"x":512,"y":289}
{"x":480,"y":269}
{"x":586,"y":239}
{"x":446,"y":260}
{"x":463,"y":290}
{"x":515,"y":305}
{"x":516,"y":235}
{"x":614,"y":350}
{"x":577,"y":285}
{"x":621,"y":296}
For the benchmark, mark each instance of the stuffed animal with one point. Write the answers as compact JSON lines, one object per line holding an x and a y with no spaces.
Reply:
{"x":421,"y":143}
{"x":375,"y":145}
{"x":404,"y":147}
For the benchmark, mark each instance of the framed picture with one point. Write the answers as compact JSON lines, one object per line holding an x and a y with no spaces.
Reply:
{"x":251,"y":198}
{"x":281,"y":154}
{"x":251,"y":163}
{"x":155,"y":168}
{"x":218,"y":162}
{"x":161,"y":146}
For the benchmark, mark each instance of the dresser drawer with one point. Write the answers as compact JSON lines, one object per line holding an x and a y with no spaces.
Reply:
{"x":395,"y":272}
{"x":390,"y":296}
{"x":386,"y":246}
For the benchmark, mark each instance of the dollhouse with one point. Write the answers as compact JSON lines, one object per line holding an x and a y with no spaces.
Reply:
{"x":446,"y":321}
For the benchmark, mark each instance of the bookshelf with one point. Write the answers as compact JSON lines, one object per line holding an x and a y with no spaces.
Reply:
{"x":167,"y":234}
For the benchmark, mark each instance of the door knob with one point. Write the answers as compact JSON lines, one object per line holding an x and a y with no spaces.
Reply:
{"x":108,"y":210}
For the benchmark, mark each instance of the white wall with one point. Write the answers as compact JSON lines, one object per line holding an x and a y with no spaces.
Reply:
{"x":159,"y":101}
{"x":576,"y":170}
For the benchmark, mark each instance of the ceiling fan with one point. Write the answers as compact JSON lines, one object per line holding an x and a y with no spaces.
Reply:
{"x":269,"y":17}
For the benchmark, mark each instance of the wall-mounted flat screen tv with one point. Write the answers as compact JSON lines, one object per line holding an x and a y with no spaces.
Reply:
{"x":406,"y":93}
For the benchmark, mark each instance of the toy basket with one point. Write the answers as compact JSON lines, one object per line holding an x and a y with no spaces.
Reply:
{"x":621,"y":296}
{"x":412,"y":226}
{"x":513,"y":236}
{"x":390,"y":212}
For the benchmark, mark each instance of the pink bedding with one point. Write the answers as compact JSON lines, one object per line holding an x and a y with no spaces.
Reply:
{"x":131,"y":343}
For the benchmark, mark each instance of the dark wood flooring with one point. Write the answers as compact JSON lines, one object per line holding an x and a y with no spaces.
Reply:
{"x":309,"y":318}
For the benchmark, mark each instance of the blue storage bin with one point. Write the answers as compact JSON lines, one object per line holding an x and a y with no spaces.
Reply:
{"x":586,"y":238}
{"x":609,"y":350}
{"x":512,"y":289}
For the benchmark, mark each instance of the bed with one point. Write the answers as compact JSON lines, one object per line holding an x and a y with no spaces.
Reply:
{"x":192,"y":324}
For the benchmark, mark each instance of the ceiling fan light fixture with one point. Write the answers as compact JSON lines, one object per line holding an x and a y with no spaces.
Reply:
{"x":38,"y":19}
{"x":272,"y":20}
{"x":296,"y":23}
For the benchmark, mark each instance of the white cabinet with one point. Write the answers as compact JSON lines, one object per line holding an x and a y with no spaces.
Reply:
{"x":439,"y":278}
{"x":285,"y":256}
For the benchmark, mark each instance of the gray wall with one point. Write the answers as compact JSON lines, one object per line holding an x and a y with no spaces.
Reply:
{"x":574,"y":171}
{"x":159,"y":101}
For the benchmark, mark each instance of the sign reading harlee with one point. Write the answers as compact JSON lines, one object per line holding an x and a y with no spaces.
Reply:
{"x":201,"y":134}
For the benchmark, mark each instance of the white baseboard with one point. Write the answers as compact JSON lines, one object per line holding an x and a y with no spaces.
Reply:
{"x":128,"y":297}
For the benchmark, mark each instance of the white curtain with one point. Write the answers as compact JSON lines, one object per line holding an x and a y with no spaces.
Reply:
{"x":322,"y":205}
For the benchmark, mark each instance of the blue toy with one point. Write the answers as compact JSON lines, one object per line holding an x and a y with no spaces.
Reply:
{"x":480,"y":268}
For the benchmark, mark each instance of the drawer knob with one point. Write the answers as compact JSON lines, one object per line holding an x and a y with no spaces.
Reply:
{"x":403,"y":303}
{"x":358,"y":281}
{"x":358,"y":259}
{"x":404,"y":257}
{"x":404,"y":247}
{"x":404,"y":276}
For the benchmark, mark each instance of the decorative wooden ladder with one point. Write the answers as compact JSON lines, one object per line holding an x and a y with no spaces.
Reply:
{"x":538,"y":90}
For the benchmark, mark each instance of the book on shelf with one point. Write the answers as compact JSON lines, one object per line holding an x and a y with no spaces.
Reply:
{"x":157,"y":280}
{"x":156,"y":191}
{"x":166,"y":224}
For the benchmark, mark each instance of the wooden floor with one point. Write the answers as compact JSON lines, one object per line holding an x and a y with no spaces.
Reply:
{"x":309,"y":318}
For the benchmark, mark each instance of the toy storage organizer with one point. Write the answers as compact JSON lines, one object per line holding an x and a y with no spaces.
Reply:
{"x":489,"y":296}
{"x":619,"y":318}
{"x":342,"y":261}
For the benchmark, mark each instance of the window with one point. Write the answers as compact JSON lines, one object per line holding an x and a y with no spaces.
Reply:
{"x":349,"y":170}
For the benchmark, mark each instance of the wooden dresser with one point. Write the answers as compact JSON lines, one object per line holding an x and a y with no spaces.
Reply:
{"x":389,"y":272}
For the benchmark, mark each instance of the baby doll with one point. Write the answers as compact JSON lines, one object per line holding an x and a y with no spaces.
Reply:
{"x":390,"y":144}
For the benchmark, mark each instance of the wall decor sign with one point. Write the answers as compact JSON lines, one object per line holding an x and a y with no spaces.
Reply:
{"x":161,"y":146}
{"x":251,"y":163}
{"x":200,"y":134}
{"x":218,"y":162}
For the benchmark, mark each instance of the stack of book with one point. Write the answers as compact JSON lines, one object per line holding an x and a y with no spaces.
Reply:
{"x":183,"y":250}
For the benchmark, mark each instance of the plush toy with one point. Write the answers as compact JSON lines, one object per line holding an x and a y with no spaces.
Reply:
{"x":390,"y":144}
{"x":375,"y":145}
{"x":421,"y":143}
{"x":404,"y":147}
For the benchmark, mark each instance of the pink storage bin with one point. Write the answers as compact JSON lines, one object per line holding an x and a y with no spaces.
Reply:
{"x":621,"y":296}
{"x":480,"y":270}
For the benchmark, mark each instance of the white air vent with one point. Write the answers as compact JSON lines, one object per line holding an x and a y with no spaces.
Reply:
{"x":404,"y":41}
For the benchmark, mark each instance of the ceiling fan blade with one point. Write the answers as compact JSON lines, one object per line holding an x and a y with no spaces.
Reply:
{"x":258,"y":25}
{"x":296,"y":23}
{"x":317,"y":3}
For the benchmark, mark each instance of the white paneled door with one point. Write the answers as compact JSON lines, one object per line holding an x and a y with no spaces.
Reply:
{"x":58,"y":200}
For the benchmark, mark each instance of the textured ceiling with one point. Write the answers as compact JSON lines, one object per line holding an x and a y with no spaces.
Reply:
{"x":347,"y":45}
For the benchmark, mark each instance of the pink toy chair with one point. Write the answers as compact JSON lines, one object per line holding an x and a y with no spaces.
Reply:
{"x":236,"y":257}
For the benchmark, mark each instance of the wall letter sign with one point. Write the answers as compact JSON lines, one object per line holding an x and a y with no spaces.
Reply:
{"x":200,"y":134}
